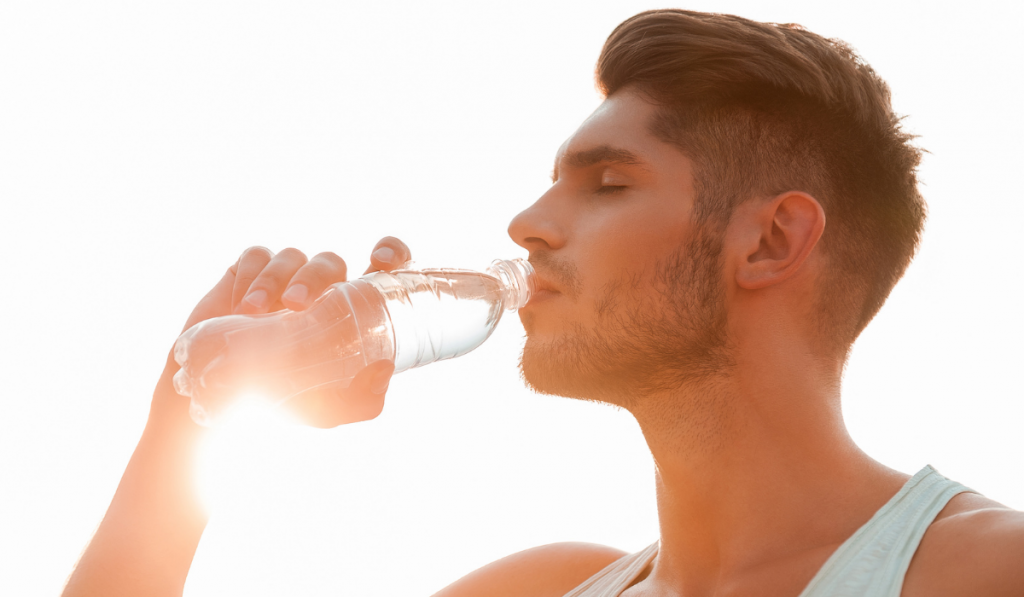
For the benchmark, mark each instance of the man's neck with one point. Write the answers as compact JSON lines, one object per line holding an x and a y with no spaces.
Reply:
{"x":758,"y":479}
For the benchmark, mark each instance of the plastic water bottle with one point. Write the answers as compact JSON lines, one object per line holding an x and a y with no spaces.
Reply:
{"x":411,"y":317}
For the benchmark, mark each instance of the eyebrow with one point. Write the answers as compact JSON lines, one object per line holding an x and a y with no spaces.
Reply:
{"x":604,"y":154}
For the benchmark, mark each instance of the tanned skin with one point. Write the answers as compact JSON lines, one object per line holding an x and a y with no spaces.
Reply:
{"x":758,"y":480}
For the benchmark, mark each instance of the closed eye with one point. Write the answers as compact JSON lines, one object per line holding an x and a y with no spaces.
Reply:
{"x":610,"y":189}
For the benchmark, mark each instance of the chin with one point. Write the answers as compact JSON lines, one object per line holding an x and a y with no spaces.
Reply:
{"x":616,"y":368}
{"x":561,"y":368}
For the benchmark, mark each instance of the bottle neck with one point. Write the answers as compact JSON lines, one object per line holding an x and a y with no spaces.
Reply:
{"x":518,"y":281}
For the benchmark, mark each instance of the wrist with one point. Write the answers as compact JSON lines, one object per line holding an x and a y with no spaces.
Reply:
{"x":168,"y":411}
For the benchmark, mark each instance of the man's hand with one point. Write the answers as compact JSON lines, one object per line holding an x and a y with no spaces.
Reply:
{"x":262,"y":282}
{"x":147,"y":539}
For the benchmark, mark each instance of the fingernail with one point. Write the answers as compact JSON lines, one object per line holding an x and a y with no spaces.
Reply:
{"x":380,"y":382}
{"x":384,"y":255}
{"x":257,"y":298}
{"x":296,"y":294}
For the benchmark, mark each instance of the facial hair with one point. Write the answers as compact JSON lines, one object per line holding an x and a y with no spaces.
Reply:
{"x":656,"y":331}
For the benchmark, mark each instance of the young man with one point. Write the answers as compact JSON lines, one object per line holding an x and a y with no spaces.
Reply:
{"x":717,"y":234}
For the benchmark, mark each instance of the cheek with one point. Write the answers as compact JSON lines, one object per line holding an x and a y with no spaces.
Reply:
{"x":624,"y":249}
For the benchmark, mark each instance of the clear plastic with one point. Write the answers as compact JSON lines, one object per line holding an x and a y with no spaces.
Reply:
{"x":411,"y":317}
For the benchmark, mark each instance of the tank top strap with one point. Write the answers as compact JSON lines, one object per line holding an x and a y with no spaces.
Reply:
{"x":614,"y":578}
{"x":871,"y":563}
{"x":874,"y":560}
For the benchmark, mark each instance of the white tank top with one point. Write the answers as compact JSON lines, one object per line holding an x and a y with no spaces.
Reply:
{"x":871,"y":563}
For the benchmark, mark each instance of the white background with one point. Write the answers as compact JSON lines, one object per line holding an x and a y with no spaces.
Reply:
{"x":144,"y":145}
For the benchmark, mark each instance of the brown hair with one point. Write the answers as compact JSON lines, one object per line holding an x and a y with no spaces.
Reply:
{"x":762,"y":109}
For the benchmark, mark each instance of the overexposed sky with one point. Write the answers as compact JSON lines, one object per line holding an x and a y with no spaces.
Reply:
{"x":144,"y":145}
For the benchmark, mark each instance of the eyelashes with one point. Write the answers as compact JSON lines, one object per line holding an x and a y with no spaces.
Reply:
{"x":610,"y":189}
{"x":604,"y":186}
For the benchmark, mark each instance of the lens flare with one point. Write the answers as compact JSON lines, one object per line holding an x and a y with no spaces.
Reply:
{"x":238,"y":456}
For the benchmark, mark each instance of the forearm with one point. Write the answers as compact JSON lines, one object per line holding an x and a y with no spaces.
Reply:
{"x":145,"y":543}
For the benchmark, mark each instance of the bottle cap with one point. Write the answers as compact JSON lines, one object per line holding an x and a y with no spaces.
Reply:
{"x":518,"y":279}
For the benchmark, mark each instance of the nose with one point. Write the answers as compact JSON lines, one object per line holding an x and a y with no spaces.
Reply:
{"x":538,"y":227}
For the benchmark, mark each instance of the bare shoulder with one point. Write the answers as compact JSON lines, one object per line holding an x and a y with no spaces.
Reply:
{"x":974,"y":547}
{"x":550,"y":570}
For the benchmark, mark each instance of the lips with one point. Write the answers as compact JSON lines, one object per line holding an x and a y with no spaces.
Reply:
{"x":543,"y":290}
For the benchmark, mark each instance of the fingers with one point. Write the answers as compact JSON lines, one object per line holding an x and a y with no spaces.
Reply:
{"x":246,"y":269}
{"x":312,"y":280}
{"x":388,"y":254}
{"x":267,"y":286}
{"x":264,"y":281}
{"x":362,"y":400}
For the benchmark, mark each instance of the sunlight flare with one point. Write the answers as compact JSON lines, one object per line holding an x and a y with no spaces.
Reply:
{"x":238,"y":458}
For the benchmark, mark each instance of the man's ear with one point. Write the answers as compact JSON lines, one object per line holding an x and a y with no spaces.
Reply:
{"x":775,"y":237}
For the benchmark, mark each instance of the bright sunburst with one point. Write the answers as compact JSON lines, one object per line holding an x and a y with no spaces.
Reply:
{"x":241,"y":452}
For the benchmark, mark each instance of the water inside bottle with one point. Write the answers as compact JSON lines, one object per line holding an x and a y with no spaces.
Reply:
{"x":439,"y":313}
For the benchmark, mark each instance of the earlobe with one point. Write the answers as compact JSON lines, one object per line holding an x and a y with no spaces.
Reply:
{"x":776,"y":237}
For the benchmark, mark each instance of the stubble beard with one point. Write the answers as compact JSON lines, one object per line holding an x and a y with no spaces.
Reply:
{"x":657,"y":332}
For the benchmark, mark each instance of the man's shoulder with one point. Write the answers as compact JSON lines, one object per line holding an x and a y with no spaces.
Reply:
{"x":553,"y":570}
{"x":974,"y":547}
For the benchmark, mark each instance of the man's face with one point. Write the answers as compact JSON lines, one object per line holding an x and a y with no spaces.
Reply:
{"x":630,"y":297}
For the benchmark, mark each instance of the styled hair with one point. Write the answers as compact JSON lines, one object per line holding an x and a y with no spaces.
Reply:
{"x":762,"y":109}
